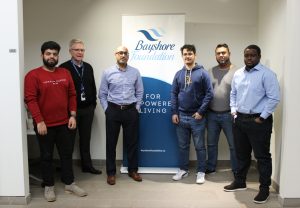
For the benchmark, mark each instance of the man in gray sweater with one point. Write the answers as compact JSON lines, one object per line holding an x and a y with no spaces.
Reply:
{"x":218,"y":116}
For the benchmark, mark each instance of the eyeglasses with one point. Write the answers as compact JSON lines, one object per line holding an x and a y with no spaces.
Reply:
{"x":78,"y":49}
{"x":122,"y":53}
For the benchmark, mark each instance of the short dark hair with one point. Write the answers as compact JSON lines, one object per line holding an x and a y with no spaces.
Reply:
{"x":188,"y":47}
{"x":254,"y":47}
{"x":224,"y":45}
{"x":50,"y":45}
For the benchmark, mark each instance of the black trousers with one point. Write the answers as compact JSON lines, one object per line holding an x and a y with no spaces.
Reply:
{"x":248,"y":136}
{"x":129,"y":120}
{"x":59,"y":136}
{"x":84,"y":121}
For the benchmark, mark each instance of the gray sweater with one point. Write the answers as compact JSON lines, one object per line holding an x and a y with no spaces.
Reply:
{"x":221,"y":81}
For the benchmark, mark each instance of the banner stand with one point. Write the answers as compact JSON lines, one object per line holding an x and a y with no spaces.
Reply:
{"x":154,"y":43}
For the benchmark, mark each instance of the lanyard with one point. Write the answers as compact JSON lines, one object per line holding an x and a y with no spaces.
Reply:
{"x":80,"y":75}
{"x":82,"y":70}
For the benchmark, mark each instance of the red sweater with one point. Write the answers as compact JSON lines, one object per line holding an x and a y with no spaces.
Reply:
{"x":50,"y":96}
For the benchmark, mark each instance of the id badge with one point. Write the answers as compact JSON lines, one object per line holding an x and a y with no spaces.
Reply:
{"x":82,"y":96}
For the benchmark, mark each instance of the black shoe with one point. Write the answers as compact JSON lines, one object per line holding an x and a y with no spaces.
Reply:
{"x":235,"y":187}
{"x":208,"y":172}
{"x":262,"y":196}
{"x":91,"y":170}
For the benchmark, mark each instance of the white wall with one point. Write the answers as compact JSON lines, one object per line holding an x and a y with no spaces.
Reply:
{"x":98,"y":23}
{"x":271,"y":37}
{"x":279,"y":37}
{"x":13,"y":148}
{"x":290,"y":169}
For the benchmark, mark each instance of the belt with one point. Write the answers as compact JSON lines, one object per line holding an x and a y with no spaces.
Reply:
{"x":244,"y":115}
{"x":225,"y":111}
{"x":122,"y":107}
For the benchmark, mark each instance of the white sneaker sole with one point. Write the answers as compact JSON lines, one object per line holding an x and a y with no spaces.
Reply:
{"x":50,"y":200}
{"x":261,"y":202}
{"x":233,"y":190}
{"x":74,"y":193}
{"x":200,"y":182}
{"x":183,"y":176}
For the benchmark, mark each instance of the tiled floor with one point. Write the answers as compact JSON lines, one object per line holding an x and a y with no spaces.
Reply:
{"x":156,"y":191}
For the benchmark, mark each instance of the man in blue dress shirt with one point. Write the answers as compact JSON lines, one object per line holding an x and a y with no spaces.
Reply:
{"x":121,"y":92}
{"x":253,"y":98}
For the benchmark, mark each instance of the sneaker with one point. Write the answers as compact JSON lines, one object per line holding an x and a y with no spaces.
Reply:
{"x":49,"y":194}
{"x":262,"y":196}
{"x":180,"y":174}
{"x":208,"y":172}
{"x":200,"y":178}
{"x":235,"y":187}
{"x":74,"y":189}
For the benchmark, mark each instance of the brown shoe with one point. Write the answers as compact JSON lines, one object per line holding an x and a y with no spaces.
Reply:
{"x":135,"y":176}
{"x":111,"y":180}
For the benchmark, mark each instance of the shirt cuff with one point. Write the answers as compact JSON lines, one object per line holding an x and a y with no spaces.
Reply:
{"x":233,"y":110}
{"x":138,"y":107}
{"x":265,"y":115}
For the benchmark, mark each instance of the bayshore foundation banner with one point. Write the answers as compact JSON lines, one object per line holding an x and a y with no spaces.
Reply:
{"x":154,"y":43}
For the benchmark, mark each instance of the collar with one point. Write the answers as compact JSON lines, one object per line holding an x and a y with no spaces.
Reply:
{"x":74,"y":62}
{"x":122,"y":70}
{"x":257,"y":67}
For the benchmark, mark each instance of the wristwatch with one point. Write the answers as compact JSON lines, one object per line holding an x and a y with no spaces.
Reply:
{"x":262,"y":119}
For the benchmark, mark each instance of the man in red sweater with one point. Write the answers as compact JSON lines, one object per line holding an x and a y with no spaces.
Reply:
{"x":51,"y":99}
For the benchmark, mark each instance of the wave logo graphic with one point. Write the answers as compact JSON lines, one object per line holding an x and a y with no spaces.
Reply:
{"x":152,"y":34}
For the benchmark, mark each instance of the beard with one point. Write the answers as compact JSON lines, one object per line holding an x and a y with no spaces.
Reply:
{"x":49,"y":63}
{"x":223,"y":62}
{"x":122,"y":62}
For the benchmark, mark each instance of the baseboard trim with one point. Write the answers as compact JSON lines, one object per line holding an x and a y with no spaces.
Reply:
{"x":15,"y":200}
{"x":289,"y":202}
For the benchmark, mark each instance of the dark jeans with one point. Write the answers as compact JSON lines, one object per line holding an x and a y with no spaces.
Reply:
{"x":84,"y":121}
{"x":215,"y":123}
{"x":129,"y":120}
{"x":190,"y":127}
{"x":248,"y":136}
{"x":59,"y":136}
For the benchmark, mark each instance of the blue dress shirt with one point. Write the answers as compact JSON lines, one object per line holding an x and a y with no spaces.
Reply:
{"x":254,"y":91}
{"x":121,"y":87}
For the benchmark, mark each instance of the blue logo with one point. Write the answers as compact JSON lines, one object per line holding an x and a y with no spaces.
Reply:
{"x":148,"y":35}
{"x":152,"y":47}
